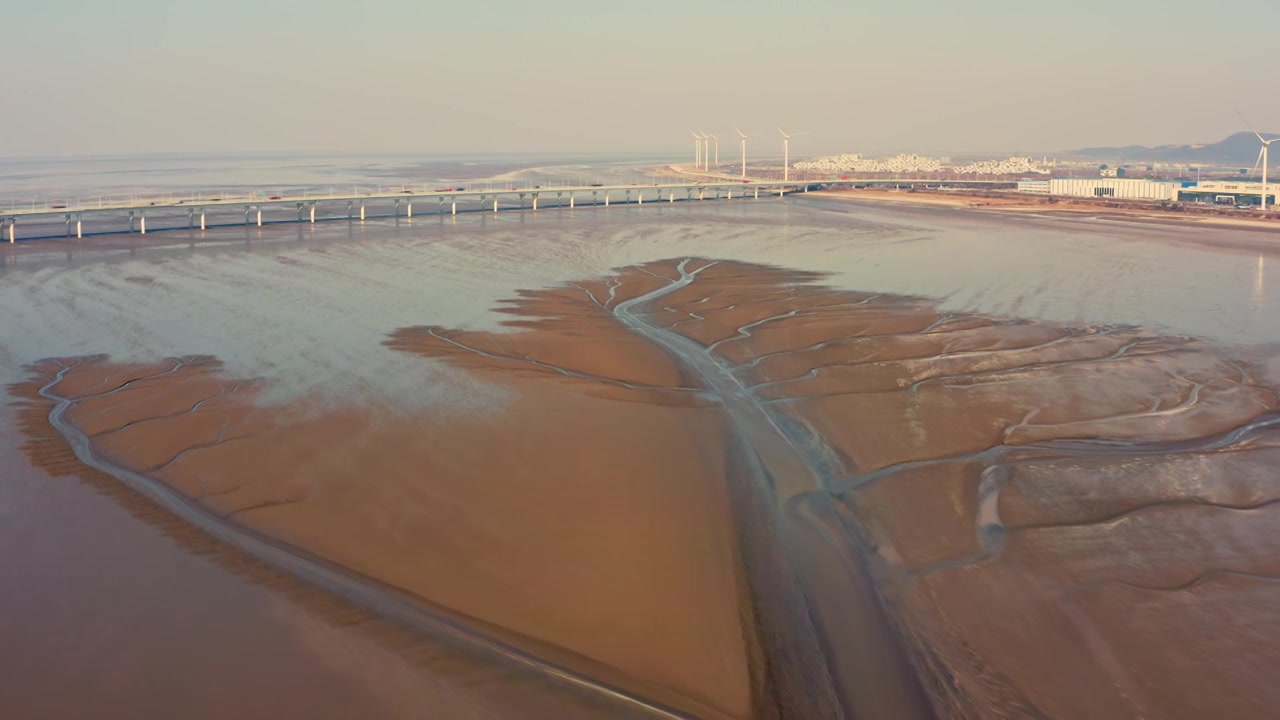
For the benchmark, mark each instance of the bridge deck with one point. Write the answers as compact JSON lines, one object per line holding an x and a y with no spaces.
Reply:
{"x":211,"y":200}
{"x":204,"y":211}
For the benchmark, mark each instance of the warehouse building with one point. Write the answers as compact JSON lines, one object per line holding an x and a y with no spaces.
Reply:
{"x":1035,"y":187}
{"x":1242,"y":194}
{"x":1116,"y":188}
{"x":1228,"y":193}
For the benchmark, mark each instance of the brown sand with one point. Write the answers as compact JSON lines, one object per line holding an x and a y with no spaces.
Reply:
{"x":1023,"y":487}
{"x":898,"y":196}
{"x":197,"y":649}
{"x":1016,"y":489}
{"x":621,"y":563}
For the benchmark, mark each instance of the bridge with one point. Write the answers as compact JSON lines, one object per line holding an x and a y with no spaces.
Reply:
{"x":80,"y":218}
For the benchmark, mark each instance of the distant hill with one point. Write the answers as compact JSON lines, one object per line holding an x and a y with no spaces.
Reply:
{"x":1239,"y":149}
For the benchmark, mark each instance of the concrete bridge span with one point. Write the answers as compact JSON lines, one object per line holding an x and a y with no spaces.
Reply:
{"x":101,"y":216}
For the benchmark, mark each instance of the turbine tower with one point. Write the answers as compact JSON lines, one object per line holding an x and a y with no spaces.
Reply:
{"x":717,"y":139}
{"x":786,"y":154}
{"x":744,"y":137}
{"x":706,"y":150}
{"x":1264,"y":156}
{"x":697,"y":149}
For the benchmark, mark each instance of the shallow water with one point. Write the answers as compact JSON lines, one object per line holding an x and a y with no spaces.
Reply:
{"x":306,"y":310}
{"x":315,"y":300}
{"x":23,"y":180}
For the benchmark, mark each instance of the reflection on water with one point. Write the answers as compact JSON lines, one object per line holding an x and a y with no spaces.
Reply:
{"x":316,"y":301}
{"x":1259,"y":282}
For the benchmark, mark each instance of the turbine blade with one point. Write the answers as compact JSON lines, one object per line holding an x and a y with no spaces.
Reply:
{"x":1257,"y":162}
{"x":1246,"y":122}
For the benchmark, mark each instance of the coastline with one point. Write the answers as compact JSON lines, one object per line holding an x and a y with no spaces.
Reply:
{"x":1064,"y":207}
{"x":1074,"y":207}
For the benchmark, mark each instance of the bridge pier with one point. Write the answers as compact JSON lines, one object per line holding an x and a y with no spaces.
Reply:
{"x":247,"y":210}
{"x":453,"y":210}
{"x":313,"y":213}
{"x":395,"y":209}
{"x":351,"y":209}
{"x":12,"y":225}
{"x":68,"y":225}
{"x":757,"y":193}
{"x":408,"y":210}
{"x":640,"y":197}
{"x":131,"y":216}
{"x":299,"y":212}
{"x":535,"y":201}
{"x":495,"y":203}
{"x":142,"y":223}
{"x":202,"y":218}
{"x":361,"y":212}
{"x":259,"y":216}
{"x":702,"y":194}
{"x":671,"y":196}
{"x":570,"y":201}
{"x":606,"y":198}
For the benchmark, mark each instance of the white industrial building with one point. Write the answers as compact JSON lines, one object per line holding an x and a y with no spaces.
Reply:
{"x":1209,"y":192}
{"x":1035,"y":187}
{"x":1107,"y":188}
{"x":1228,"y":192}
{"x":1115,"y":188}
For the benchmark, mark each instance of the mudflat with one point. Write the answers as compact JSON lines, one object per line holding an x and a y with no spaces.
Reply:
{"x":732,"y":491}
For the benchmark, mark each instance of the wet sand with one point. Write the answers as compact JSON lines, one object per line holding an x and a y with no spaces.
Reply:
{"x":1022,"y":488}
{"x":155,"y":618}
{"x":735,"y":492}
{"x":620,"y":564}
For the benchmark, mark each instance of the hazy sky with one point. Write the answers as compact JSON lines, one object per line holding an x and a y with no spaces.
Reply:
{"x":428,"y":76}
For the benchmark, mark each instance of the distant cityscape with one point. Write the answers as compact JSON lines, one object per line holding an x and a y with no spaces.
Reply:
{"x":911,"y":163}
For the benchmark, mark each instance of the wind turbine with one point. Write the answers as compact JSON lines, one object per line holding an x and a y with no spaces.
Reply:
{"x":1264,"y":156}
{"x":713,"y":137}
{"x":697,"y":149}
{"x":786,"y":153}
{"x":706,"y":150}
{"x":744,"y":137}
